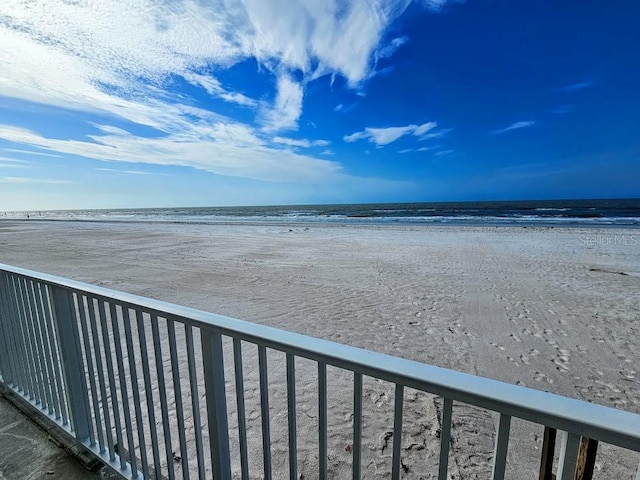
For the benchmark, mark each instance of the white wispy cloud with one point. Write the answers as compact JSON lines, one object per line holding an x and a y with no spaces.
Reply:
{"x":117,"y":60}
{"x":14,"y":165}
{"x":50,"y":181}
{"x":516,"y":126}
{"x":15,"y":161}
{"x":29,"y":152}
{"x":219,"y":148}
{"x":577,"y":86}
{"x":421,"y":149}
{"x":443,"y":153}
{"x":436,"y":134}
{"x":131,"y":172}
{"x":437,"y":5}
{"x":213,"y":87}
{"x":62,"y":50}
{"x":287,"y":107}
{"x":389,"y":49}
{"x":384,"y":136}
{"x":303,"y":142}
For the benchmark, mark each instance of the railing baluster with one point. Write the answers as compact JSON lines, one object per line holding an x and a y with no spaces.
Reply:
{"x":291,"y":416}
{"x":12,"y":376}
{"x":35,"y":344}
{"x":46,"y":340}
{"x":133,"y":373}
{"x":501,"y":447}
{"x":82,"y":305}
{"x":108,"y":359}
{"x":33,"y":355}
{"x":47,"y":299}
{"x":357,"y":426}
{"x":91,"y":306}
{"x":162,"y":388}
{"x":16,"y":336}
{"x":27,"y":341}
{"x":124,"y":394}
{"x":18,"y":332}
{"x":264,"y":406}
{"x":322,"y":420}
{"x":43,"y":344}
{"x":19,"y":335}
{"x":568,"y":456}
{"x":195,"y":401}
{"x":213,"y":363}
{"x":6,"y":367}
{"x":397,"y":431}
{"x":242,"y":418}
{"x":71,"y":356}
{"x":177,"y":391}
{"x":445,"y":438}
{"x":45,"y":399}
{"x":142,"y":338}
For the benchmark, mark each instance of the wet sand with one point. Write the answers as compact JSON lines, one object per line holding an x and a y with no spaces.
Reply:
{"x":550,"y":308}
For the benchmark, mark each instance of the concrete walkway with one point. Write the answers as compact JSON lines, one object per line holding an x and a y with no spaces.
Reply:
{"x":27,"y":452}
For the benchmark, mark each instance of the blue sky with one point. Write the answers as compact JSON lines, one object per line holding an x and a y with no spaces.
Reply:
{"x":187,"y":103}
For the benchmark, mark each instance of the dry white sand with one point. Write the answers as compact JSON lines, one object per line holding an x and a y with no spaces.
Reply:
{"x":547,"y":308}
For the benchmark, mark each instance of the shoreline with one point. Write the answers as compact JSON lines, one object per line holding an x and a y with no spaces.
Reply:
{"x":339,"y":224}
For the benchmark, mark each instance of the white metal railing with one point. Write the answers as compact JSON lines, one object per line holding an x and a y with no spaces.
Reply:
{"x":98,"y":362}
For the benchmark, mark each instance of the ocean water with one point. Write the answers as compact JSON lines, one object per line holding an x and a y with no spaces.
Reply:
{"x":624,"y":212}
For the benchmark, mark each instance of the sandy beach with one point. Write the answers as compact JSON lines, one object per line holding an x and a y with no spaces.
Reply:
{"x":554,"y":309}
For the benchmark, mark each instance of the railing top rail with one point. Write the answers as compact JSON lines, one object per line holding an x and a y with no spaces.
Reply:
{"x":617,"y":427}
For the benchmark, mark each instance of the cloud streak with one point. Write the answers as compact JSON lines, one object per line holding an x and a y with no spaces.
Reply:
{"x":515,"y":126}
{"x":577,"y":86}
{"x":385,"y":136}
{"x":303,"y":143}
{"x":46,"y":181}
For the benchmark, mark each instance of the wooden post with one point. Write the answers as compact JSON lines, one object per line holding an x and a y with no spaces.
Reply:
{"x":586,"y":457}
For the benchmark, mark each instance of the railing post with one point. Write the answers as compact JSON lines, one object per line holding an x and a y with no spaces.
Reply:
{"x":568,"y":456}
{"x":72,"y":363}
{"x":213,"y":362}
{"x":5,"y":362}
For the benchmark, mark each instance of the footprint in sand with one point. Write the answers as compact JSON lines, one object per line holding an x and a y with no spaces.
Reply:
{"x":560,"y":365}
{"x":515,"y":338}
{"x":628,"y":374}
{"x":524,"y":359}
{"x":538,"y":377}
